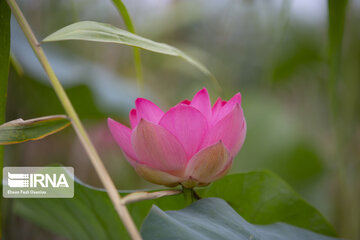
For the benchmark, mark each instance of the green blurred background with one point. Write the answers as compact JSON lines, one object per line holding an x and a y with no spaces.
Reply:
{"x":295,"y":62}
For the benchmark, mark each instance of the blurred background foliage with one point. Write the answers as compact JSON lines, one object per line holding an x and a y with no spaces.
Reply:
{"x":295,"y":62}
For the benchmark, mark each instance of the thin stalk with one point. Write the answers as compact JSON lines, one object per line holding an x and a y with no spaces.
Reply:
{"x":130,"y":26}
{"x":188,"y":196}
{"x":141,"y":196}
{"x":344,"y":192}
{"x":138,"y":69}
{"x":76,"y":123}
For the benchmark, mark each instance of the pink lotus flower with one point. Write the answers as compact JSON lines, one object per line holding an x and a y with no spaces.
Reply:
{"x":191,"y":144}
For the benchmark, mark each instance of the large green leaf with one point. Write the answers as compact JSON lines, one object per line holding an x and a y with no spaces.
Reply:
{"x":101,"y":32}
{"x":18,"y":131}
{"x":213,"y":218}
{"x":92,"y":212}
{"x":261,"y":197}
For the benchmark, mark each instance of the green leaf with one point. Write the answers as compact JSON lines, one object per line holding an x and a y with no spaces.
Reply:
{"x":18,"y":131}
{"x":5,"y":14}
{"x":213,"y":218}
{"x":90,"y":214}
{"x":101,"y":32}
{"x":93,"y":214}
{"x":130,"y":26}
{"x":261,"y":197}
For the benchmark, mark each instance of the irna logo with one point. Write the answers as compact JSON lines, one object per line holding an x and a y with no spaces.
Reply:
{"x":34,"y":180}
{"x":38,"y":182}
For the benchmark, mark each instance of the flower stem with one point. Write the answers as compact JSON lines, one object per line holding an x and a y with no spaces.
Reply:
{"x":130,"y":26}
{"x":76,"y":123}
{"x":141,"y":196}
{"x":188,"y":196}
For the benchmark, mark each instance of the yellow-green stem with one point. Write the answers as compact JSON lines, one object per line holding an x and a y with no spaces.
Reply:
{"x":188,"y":196}
{"x":130,"y":26}
{"x":76,"y":123}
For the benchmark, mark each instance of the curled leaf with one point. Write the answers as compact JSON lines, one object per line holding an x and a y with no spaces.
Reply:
{"x":20,"y":130}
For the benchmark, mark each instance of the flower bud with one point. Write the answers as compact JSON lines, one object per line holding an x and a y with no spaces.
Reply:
{"x":192,"y":144}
